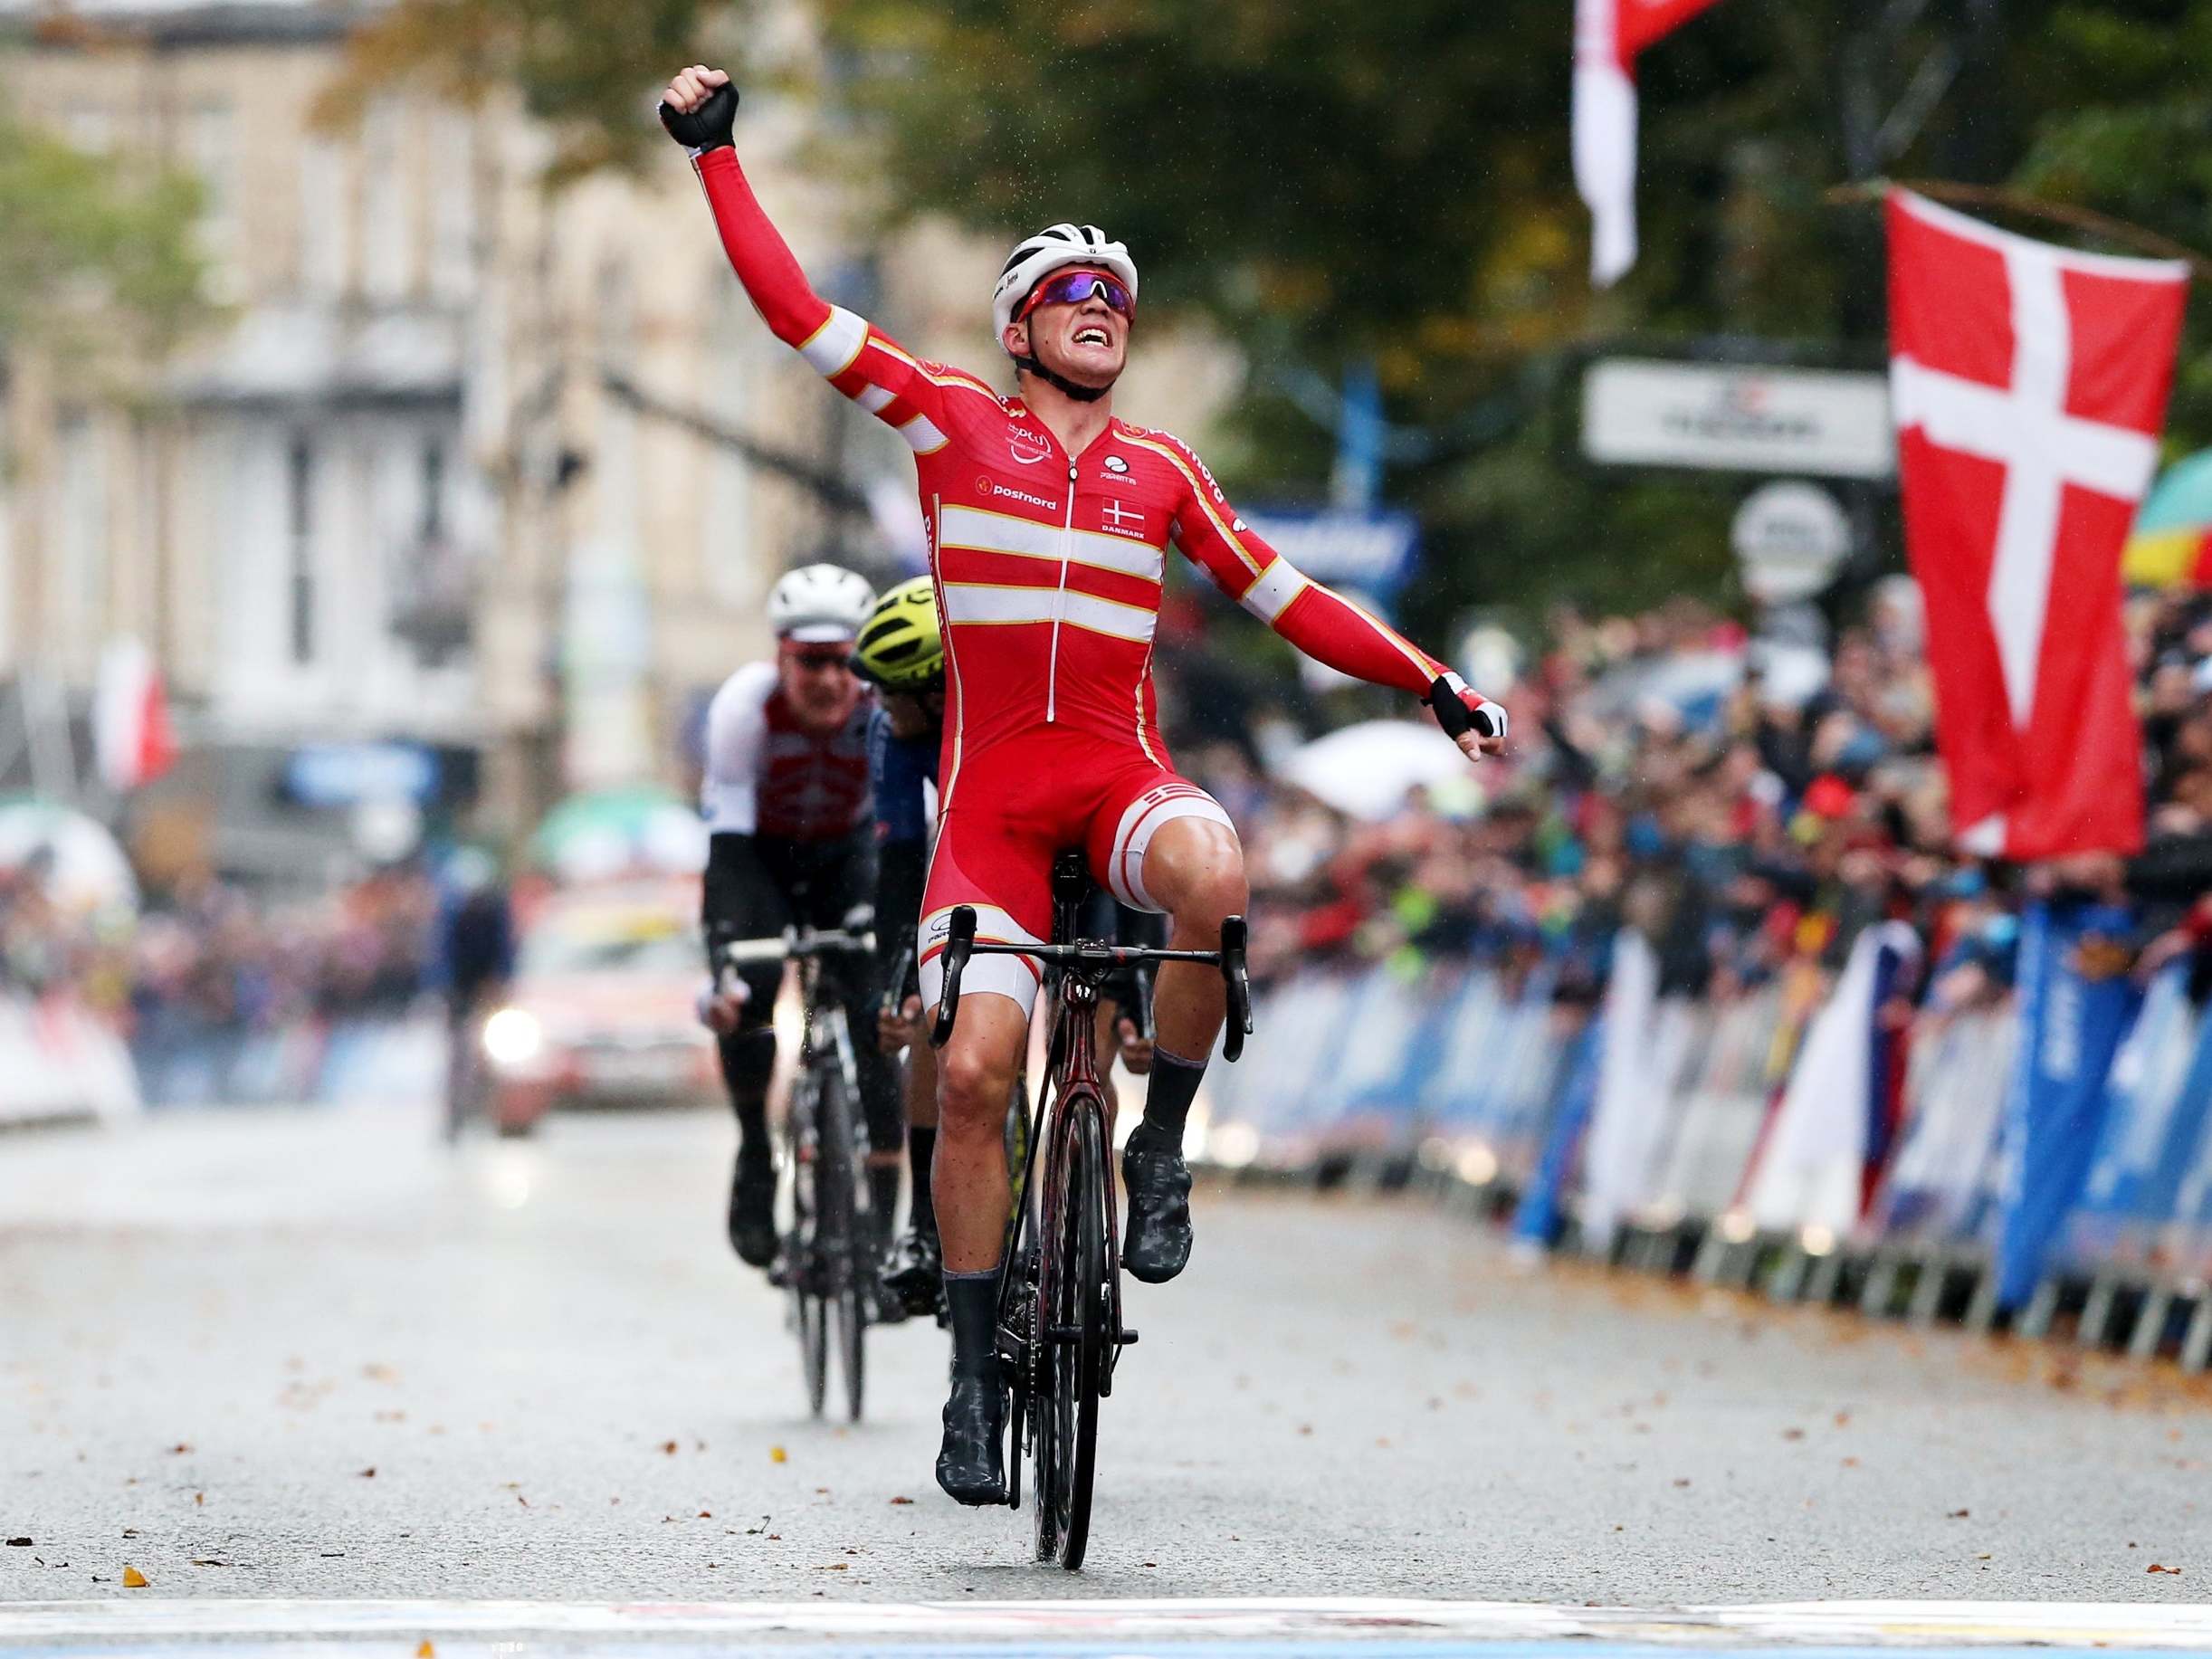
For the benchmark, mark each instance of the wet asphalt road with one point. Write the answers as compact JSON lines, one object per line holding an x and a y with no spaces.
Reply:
{"x":317,"y":1355}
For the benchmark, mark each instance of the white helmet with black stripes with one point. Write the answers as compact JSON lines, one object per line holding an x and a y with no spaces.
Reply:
{"x":1038,"y":256}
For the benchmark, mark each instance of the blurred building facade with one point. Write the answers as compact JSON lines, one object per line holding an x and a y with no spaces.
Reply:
{"x":475,"y":488}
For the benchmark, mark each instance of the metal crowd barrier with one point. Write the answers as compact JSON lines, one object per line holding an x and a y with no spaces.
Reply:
{"x":1485,"y":1088}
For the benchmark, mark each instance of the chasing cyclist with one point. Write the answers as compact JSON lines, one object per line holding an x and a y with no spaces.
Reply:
{"x":786,"y":798}
{"x":901,"y":651}
{"x":1049,"y":522}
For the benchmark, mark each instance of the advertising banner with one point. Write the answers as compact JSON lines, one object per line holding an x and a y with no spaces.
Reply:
{"x":2077,"y":1004}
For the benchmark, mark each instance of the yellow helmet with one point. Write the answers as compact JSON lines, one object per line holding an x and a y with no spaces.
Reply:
{"x":901,"y":647}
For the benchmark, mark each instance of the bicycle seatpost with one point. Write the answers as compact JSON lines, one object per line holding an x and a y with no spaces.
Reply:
{"x":957,"y":944}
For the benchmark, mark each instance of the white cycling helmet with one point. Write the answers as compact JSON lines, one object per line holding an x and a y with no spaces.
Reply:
{"x":818,"y":602}
{"x":1040,"y":255}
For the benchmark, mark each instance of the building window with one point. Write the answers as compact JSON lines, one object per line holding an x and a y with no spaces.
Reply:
{"x":80,"y":581}
{"x":214,"y":145}
{"x":300,"y":541}
{"x":433,"y":492}
{"x":326,"y":219}
{"x":387,"y":241}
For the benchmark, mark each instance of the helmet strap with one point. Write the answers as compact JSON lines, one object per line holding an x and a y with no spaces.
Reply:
{"x":1052,"y":377}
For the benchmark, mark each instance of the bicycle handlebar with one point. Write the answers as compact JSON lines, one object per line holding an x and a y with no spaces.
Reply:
{"x":796,"y":942}
{"x":961,"y":943}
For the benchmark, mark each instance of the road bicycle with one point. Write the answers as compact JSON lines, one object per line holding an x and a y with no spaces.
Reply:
{"x":1060,"y":1328}
{"x":829,"y":1259}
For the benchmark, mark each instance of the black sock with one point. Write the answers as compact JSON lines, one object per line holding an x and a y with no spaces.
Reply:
{"x":974,"y":1301}
{"x":1166,"y":1104}
{"x":882,"y":1199}
{"x":748,"y":1060}
{"x":921,"y":1147}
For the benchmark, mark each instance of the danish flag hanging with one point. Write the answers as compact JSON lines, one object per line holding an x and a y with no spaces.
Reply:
{"x":2029,"y":384}
{"x":1608,"y":34}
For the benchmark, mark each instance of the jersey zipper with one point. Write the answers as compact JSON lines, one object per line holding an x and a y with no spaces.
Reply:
{"x":1067,"y":549}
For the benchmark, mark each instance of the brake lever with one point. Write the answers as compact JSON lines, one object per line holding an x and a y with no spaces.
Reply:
{"x":1238,"y":982}
{"x":959,"y":941}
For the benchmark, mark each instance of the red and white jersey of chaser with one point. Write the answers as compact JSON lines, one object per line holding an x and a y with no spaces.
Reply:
{"x":1048,"y":565}
{"x":767,"y":775}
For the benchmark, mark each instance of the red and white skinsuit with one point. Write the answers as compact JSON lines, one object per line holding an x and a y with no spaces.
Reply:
{"x":1048,"y":574}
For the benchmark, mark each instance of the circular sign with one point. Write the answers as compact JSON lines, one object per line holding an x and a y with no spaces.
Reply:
{"x":1791,"y":538}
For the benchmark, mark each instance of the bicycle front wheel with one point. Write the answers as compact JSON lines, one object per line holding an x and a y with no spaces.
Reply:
{"x":843,"y":1244}
{"x":802,"y":1244}
{"x":1076,"y":1296}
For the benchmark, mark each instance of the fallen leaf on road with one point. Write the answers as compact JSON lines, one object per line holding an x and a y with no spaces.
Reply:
{"x":1147,"y":1563}
{"x":133,"y":1579}
{"x":706,"y":1514}
{"x":379,"y":1373}
{"x":902,"y":1499}
{"x":207,"y":1560}
{"x":1957,"y":1515}
{"x":23,"y":1543}
{"x":668,"y":1446}
{"x":1843,"y":1419}
{"x":369,"y":1474}
{"x":775,"y":1454}
{"x":180,"y":1448}
{"x":524,"y":1502}
{"x":1305,"y":1428}
{"x":836,"y":1567}
{"x":133,"y":1532}
{"x":1851,"y":1463}
{"x":426,"y":1649}
{"x":199,"y":1500}
{"x":2157,"y":1568}
{"x":1684,"y":1481}
{"x":1793,"y":1434}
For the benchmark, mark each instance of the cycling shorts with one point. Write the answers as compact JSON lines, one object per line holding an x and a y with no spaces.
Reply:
{"x":1016,"y":807}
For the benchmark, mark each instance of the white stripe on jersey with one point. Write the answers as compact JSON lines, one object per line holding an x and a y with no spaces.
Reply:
{"x":1269,"y":596}
{"x":921,"y":435}
{"x":971,"y":602}
{"x":833,"y":346}
{"x":997,"y":532}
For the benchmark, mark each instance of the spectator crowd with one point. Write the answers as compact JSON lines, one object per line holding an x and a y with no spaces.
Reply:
{"x":1747,"y":804}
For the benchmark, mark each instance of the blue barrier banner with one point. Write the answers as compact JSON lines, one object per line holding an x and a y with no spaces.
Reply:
{"x":2077,"y":1004}
{"x":2184,"y":1242}
{"x":1536,"y":1220}
{"x":2151,"y":1125}
{"x":1942,"y":1181}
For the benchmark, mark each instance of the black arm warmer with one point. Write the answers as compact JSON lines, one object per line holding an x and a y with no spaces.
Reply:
{"x":901,"y":871}
{"x":734,"y":879}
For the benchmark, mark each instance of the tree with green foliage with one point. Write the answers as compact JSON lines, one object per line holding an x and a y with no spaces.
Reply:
{"x":1337,"y":186}
{"x":86,"y":250}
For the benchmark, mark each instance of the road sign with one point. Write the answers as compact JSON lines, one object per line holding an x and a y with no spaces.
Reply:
{"x":1791,"y":538}
{"x":1722,"y":417}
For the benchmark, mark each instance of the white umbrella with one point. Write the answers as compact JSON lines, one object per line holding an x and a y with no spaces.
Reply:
{"x":84,"y":869}
{"x":1366,"y":770}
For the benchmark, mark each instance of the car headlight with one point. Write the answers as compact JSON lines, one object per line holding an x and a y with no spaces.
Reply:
{"x":512,"y":1039}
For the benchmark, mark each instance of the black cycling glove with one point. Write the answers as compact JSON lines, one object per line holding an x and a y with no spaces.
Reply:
{"x":711,"y":126}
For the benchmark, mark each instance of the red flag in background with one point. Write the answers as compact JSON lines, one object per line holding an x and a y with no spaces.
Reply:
{"x":2029,"y":384}
{"x":132,"y":740}
{"x":1608,"y":34}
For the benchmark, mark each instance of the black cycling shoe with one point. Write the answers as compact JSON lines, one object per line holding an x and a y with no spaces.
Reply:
{"x":752,"y":1211}
{"x":914,"y":1271}
{"x":971,"y":1463}
{"x":1156,"y":1246}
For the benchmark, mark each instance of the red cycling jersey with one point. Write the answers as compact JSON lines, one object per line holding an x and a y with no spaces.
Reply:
{"x":1048,"y":572}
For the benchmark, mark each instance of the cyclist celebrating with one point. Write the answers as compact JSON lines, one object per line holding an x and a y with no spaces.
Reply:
{"x":1049,"y":523}
{"x":901,"y":653}
{"x":786,"y":798}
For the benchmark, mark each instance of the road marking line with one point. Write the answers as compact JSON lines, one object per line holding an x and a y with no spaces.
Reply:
{"x":1833,"y":1623}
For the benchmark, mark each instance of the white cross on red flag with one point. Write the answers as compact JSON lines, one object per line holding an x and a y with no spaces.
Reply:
{"x":1608,"y":34}
{"x":2029,"y":384}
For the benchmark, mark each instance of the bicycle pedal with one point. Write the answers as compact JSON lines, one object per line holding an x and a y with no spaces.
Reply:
{"x":1125,"y":1339}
